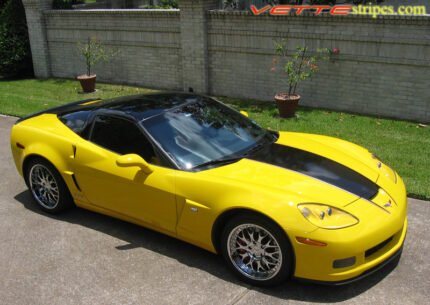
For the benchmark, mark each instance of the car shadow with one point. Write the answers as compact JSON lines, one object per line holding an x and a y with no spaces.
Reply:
{"x":135,"y":236}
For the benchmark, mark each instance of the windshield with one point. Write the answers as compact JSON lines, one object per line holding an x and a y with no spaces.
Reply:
{"x":203,"y":131}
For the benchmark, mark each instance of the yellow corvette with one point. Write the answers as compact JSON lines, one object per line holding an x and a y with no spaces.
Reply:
{"x":275,"y":205}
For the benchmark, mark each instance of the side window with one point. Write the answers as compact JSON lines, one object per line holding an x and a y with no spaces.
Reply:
{"x":122,"y":136}
{"x":76,"y":120}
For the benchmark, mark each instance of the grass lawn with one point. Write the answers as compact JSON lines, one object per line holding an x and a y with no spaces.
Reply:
{"x":21,"y":97}
{"x":403,"y":145}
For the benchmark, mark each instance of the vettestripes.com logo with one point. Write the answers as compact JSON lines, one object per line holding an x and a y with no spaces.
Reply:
{"x":372,"y":10}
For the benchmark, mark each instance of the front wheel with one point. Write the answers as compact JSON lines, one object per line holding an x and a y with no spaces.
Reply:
{"x":47,"y":186}
{"x":257,"y":250}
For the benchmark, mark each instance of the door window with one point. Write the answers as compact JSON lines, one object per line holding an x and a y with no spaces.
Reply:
{"x":121,"y":136}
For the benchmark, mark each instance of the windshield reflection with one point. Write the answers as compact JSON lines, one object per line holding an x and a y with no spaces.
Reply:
{"x":203,"y":131}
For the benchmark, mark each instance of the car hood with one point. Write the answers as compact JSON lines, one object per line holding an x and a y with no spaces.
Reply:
{"x":310,"y":168}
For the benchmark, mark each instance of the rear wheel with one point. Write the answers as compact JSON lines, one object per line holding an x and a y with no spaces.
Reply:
{"x":257,"y":250}
{"x":47,"y":186}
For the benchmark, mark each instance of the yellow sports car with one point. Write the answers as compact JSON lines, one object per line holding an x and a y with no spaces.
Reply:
{"x":275,"y":205}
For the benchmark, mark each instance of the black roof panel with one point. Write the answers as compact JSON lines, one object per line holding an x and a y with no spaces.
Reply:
{"x":145,"y":106}
{"x":139,"y":106}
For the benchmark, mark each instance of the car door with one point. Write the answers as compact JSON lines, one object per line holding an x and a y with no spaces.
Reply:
{"x":147,"y":198}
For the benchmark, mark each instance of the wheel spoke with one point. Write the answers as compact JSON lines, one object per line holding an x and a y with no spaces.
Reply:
{"x":244,"y":240}
{"x":241,"y":247}
{"x":261,"y":236}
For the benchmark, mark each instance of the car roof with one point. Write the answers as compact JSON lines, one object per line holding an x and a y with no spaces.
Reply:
{"x":142,"y":107}
{"x":139,"y":107}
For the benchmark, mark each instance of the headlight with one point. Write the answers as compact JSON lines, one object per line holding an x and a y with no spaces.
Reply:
{"x":326,"y":217}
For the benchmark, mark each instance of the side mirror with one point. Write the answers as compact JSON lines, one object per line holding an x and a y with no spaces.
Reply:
{"x":131,"y":160}
{"x":244,"y":113}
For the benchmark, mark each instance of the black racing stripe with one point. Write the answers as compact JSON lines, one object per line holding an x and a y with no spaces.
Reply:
{"x":317,"y":167}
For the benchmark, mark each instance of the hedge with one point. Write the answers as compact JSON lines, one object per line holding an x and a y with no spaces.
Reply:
{"x":15,"y":53}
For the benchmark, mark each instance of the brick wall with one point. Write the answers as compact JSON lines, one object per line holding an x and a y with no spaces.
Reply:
{"x":194,"y":42}
{"x":383,"y":67}
{"x":37,"y":34}
{"x":148,"y":43}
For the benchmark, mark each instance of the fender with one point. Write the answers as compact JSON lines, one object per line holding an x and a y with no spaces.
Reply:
{"x":197,"y":215}
{"x":56,"y":149}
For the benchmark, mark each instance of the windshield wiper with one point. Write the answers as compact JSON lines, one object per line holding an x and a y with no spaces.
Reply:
{"x":218,"y":162}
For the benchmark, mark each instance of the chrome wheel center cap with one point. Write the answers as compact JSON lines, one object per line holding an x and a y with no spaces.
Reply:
{"x":257,"y":250}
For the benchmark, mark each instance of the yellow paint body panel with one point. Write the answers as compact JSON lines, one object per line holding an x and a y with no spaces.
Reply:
{"x":187,"y":204}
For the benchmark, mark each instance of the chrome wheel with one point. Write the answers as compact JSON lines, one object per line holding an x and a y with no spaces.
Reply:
{"x":44,"y":186}
{"x":254,"y":251}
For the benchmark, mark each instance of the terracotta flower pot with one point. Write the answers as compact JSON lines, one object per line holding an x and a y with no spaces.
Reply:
{"x":287,"y":104}
{"x":88,"y":82}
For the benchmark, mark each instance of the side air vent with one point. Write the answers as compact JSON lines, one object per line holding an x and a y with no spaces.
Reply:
{"x":76,"y":182}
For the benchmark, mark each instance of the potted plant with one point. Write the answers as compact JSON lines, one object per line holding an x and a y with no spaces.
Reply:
{"x":93,"y":52}
{"x":298,"y":67}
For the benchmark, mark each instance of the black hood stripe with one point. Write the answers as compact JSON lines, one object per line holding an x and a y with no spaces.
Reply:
{"x":318,"y":167}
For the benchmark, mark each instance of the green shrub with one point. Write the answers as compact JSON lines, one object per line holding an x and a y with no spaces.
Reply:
{"x":164,"y":4}
{"x":169,"y":3}
{"x":15,"y":54}
{"x":2,"y":3}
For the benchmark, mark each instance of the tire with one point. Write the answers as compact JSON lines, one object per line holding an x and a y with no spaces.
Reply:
{"x":257,"y":250}
{"x":47,"y":187}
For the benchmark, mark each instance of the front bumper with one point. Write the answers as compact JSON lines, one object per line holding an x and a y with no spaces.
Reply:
{"x":373,"y":266}
{"x":375,"y":269}
{"x":316,"y":263}
{"x":377,"y":239}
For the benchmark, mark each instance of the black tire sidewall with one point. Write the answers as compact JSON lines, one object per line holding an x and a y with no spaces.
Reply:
{"x":287,"y":253}
{"x":65,"y":200}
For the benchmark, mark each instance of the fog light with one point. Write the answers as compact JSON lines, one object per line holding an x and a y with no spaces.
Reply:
{"x":345,"y":262}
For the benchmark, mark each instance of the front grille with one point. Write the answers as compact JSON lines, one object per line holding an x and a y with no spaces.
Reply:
{"x":378,"y":247}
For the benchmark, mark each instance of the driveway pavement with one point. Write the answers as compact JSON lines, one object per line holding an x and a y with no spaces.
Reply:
{"x":84,"y":258}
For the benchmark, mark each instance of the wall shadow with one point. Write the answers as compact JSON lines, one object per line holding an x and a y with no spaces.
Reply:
{"x":135,"y":236}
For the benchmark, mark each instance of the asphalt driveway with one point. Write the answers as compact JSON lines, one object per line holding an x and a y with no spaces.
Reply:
{"x":84,"y":258}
